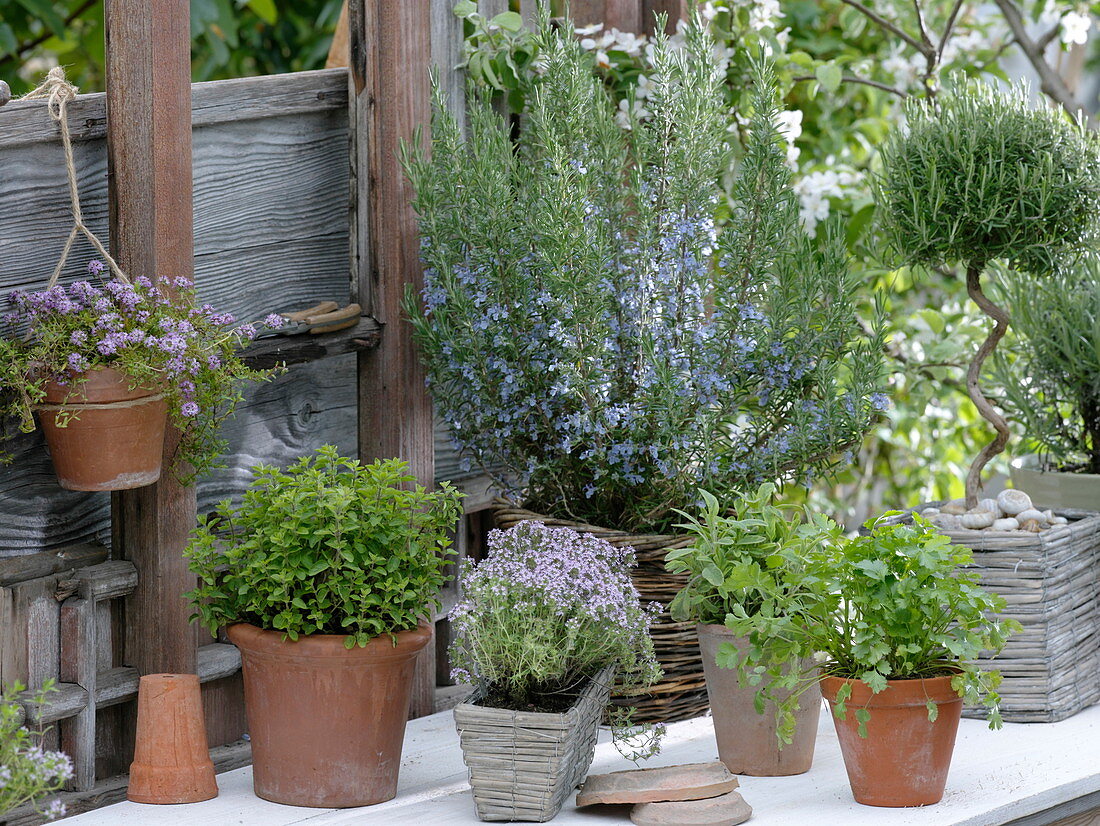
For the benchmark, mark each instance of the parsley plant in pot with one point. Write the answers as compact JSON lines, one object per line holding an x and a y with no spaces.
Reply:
{"x":598,"y":344}
{"x":105,"y":363}
{"x":899,"y":620}
{"x":546,"y":621}
{"x":325,"y":576}
{"x":733,"y":550}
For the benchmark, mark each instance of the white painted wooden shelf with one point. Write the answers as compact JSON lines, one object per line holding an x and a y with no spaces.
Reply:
{"x":1025,"y":775}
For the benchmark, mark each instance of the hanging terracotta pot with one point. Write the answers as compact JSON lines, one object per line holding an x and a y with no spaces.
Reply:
{"x":904,"y":759}
{"x":114,"y":438}
{"x":171,"y":761}
{"x":326,"y":722}
{"x":747,"y":741}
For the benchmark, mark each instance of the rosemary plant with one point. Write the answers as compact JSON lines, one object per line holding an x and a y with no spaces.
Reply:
{"x":592,"y":335}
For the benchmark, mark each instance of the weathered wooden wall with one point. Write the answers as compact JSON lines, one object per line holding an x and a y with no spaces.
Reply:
{"x":271,"y":233}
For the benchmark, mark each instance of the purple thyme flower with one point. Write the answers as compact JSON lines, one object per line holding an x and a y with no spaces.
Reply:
{"x":189,"y":409}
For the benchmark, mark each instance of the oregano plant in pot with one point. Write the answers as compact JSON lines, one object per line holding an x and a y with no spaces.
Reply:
{"x":326,"y":575}
{"x":898,"y":621}
{"x":734,"y":548}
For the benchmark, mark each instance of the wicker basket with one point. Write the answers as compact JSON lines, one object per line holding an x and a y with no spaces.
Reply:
{"x":682,"y":692}
{"x":1051,"y":582}
{"x":524,"y":765}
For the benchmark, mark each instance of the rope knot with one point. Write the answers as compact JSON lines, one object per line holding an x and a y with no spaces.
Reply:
{"x":57,"y":90}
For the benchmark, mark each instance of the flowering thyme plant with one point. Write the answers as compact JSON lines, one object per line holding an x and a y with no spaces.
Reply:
{"x":546,"y":611}
{"x":589,"y":330}
{"x":27,"y":771}
{"x":187,"y":351}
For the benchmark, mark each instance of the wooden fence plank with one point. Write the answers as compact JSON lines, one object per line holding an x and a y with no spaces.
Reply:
{"x":148,"y":68}
{"x":390,"y":57}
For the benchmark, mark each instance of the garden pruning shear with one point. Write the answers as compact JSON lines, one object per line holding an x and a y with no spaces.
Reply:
{"x":326,"y":317}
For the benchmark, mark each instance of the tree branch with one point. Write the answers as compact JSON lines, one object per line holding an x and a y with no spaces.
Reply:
{"x":882,"y":22}
{"x":949,"y":29}
{"x":1043,"y":42}
{"x":973,"y":386}
{"x":861,"y":81}
{"x":1051,"y":83}
{"x":925,"y":39}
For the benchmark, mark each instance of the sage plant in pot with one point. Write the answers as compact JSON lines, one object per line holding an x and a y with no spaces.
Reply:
{"x":982,"y":178}
{"x":546,"y":622}
{"x":326,"y":575}
{"x":898,"y":620}
{"x":733,"y":549}
{"x":105,"y":364}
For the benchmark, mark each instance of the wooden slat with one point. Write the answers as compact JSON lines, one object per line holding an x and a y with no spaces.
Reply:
{"x":213,"y":102}
{"x":34,"y":566}
{"x":79,"y":666}
{"x":625,"y":15}
{"x":390,"y":57}
{"x":674,"y":9}
{"x":148,"y":57}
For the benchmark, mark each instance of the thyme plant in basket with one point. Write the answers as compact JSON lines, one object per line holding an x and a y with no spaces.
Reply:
{"x":985,"y":177}
{"x":188,"y":352}
{"x":545,"y":613}
{"x":592,"y":337}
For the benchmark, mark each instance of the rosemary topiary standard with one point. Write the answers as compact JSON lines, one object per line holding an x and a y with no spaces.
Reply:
{"x":982,"y":178}
{"x":590,"y":332}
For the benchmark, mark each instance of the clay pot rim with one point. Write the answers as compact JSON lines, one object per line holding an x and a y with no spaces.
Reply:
{"x":916,"y":691}
{"x":262,"y":642}
{"x":100,"y":384}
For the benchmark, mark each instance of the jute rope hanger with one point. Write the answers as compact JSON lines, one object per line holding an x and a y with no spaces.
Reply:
{"x":57,"y":90}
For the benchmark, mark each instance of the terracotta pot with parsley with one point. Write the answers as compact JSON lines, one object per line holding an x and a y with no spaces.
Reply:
{"x":326,"y":576}
{"x":898,"y":621}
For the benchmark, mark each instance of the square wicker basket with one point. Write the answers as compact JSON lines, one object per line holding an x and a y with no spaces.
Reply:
{"x":524,"y":765}
{"x":1051,"y":582}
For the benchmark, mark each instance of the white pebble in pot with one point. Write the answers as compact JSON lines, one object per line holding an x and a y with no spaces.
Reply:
{"x":976,"y":520}
{"x":956,"y":507}
{"x":1013,"y":501}
{"x":1006,"y":524}
{"x":989,"y":506}
{"x":1031,"y":515}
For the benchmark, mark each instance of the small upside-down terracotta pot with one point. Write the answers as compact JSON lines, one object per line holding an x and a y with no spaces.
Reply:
{"x":747,"y":741}
{"x":171,"y":761}
{"x":114,"y":438}
{"x":905,"y":757}
{"x":327,"y":722}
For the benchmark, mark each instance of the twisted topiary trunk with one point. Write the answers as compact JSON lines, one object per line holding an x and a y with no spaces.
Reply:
{"x":973,"y":384}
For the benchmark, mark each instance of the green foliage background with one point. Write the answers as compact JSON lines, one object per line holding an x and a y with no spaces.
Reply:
{"x":230,"y":38}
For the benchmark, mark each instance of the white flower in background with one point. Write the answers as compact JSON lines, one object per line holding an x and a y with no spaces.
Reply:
{"x":632,"y":44}
{"x":1075,"y":28}
{"x":789,"y":125}
{"x":627,"y":114}
{"x":643,"y":88}
{"x":709,"y":11}
{"x":588,"y":31}
{"x":783,"y":37}
{"x":814,"y":191}
{"x":903,"y":68}
{"x":765,"y":14}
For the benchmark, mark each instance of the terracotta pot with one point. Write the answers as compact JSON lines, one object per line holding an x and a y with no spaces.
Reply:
{"x":327,"y":722}
{"x":171,"y":761}
{"x":904,"y":759}
{"x":747,"y":742}
{"x":115,"y":441}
